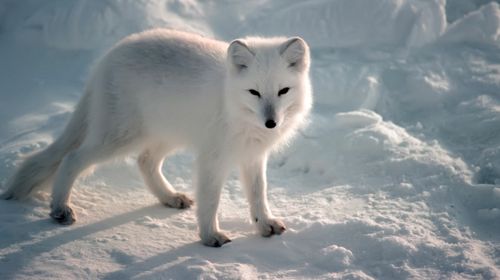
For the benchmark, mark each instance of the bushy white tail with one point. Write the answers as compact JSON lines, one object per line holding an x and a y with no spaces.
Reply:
{"x":37,"y":170}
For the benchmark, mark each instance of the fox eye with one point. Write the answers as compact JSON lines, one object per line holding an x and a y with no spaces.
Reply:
{"x":283,"y":91}
{"x":254,"y":92}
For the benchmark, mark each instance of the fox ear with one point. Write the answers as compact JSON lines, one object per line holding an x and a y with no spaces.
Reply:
{"x":295,"y":52}
{"x":239,"y":55}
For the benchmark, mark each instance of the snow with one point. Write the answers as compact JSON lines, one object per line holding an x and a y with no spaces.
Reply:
{"x":360,"y":23}
{"x":397,"y":176}
{"x":481,"y":26}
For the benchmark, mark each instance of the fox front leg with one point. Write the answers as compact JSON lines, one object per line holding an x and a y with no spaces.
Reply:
{"x":209,"y":181}
{"x":253,"y":178}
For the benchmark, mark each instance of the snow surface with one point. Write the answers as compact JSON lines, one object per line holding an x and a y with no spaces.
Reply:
{"x":396,"y":177}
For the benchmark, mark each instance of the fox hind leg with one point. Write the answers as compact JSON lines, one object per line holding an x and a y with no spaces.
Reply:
{"x":74,"y":163}
{"x":150,"y":162}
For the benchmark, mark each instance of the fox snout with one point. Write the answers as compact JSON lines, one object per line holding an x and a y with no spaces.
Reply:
{"x":270,"y":116}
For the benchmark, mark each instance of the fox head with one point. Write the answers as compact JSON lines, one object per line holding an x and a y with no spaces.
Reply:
{"x":268,"y":82}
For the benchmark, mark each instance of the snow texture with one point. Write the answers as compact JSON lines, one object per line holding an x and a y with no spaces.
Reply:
{"x":396,"y":177}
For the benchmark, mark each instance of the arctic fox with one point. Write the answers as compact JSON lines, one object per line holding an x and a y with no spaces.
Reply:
{"x":162,"y":90}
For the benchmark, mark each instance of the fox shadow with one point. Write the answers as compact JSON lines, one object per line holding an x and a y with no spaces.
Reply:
{"x":25,"y":250}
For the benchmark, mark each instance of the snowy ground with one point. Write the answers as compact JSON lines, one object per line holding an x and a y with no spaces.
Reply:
{"x":396,"y":177}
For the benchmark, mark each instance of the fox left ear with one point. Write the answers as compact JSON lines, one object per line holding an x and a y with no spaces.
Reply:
{"x":239,"y":55}
{"x":296,"y":53}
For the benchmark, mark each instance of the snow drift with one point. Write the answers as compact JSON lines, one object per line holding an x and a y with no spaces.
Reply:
{"x":358,"y":23}
{"x":478,"y":27}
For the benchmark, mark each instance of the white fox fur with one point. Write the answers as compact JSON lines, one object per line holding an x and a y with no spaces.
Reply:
{"x":161,"y":90}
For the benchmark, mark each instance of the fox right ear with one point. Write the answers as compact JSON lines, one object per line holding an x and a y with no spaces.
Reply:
{"x":239,"y":55}
{"x":296,"y":53}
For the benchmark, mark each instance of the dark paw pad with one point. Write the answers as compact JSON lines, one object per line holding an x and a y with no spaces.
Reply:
{"x":180,"y":201}
{"x":64,"y":215}
{"x":273,"y":227}
{"x":217,"y":240}
{"x":218,"y":243}
{"x":277,"y":230}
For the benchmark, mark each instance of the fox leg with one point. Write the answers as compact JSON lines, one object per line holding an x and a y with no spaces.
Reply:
{"x":74,"y":163}
{"x":253,"y":178}
{"x":211,"y":175}
{"x":150,"y":162}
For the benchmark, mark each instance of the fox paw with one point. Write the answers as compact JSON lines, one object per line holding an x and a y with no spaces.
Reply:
{"x":64,"y":215}
{"x":216,"y":239}
{"x":271,"y":226}
{"x":179,"y":201}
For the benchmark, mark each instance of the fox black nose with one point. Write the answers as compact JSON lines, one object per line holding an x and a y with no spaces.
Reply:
{"x":270,"y":124}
